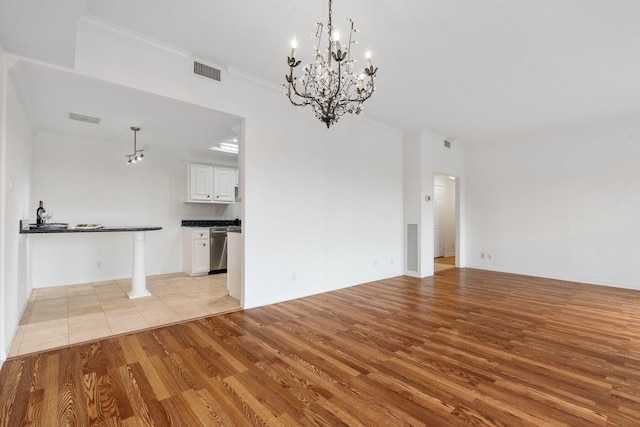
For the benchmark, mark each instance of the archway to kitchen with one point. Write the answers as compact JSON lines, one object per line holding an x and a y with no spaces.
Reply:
{"x":80,"y":171}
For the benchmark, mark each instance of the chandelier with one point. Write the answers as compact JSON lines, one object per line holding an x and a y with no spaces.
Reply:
{"x":137,"y":154}
{"x":329,"y":84}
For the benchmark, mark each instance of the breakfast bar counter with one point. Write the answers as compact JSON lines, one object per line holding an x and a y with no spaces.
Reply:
{"x":138,"y":276}
{"x":55,"y":228}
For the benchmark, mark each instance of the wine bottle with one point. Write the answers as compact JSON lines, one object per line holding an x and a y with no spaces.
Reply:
{"x":39,"y":212}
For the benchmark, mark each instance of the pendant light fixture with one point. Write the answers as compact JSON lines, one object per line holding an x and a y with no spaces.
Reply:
{"x":137,"y":154}
{"x":330,"y":84}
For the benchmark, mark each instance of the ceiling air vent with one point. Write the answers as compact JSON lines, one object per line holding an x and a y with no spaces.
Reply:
{"x":206,"y":71}
{"x":83,"y":118}
{"x":447,"y":143}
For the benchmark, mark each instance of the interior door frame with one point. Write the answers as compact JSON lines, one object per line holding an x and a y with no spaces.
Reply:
{"x":458,"y":218}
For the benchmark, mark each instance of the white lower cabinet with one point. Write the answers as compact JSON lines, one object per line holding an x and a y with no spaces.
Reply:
{"x":195,"y":251}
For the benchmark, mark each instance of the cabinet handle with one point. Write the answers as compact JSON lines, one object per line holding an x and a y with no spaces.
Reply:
{"x":208,"y":196}
{"x":204,"y":244}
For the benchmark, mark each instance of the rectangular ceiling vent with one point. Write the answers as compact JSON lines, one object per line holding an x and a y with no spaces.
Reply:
{"x":447,"y":143}
{"x":206,"y":71}
{"x":83,"y":118}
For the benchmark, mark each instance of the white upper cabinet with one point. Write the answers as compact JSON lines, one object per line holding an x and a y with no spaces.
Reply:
{"x":224,"y":183}
{"x":200,"y":183}
{"x":211,"y":184}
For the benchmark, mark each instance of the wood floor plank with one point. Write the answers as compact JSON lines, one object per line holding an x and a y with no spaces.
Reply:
{"x":72,"y":405}
{"x":465,"y":347}
{"x":157,"y":413}
{"x":11,"y":375}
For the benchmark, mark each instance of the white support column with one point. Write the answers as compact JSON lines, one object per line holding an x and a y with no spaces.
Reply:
{"x":139,"y":277}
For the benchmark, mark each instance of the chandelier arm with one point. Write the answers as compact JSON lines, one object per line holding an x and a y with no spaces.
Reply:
{"x":330,"y":25}
{"x":305,"y":97}
{"x":297,"y":104}
{"x":329,"y":35}
{"x":349,"y":45}
{"x":308,"y":98}
{"x":319,"y":31}
{"x":339,"y":86}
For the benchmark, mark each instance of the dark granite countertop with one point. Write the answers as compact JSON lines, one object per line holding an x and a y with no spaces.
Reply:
{"x":63,"y":228}
{"x":209,"y":222}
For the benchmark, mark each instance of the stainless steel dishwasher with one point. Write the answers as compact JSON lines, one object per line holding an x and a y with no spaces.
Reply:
{"x":218,"y":248}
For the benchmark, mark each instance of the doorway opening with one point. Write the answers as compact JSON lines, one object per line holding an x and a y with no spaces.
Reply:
{"x":445,"y":232}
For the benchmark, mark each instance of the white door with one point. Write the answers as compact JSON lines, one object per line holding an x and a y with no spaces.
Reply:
{"x":438,"y":220}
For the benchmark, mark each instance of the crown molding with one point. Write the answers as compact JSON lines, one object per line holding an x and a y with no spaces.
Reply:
{"x":268,"y":84}
{"x":93,"y":23}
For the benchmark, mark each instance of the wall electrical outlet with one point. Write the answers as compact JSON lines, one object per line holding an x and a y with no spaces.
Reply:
{"x":481,"y":255}
{"x":489,"y":257}
{"x":293,"y":277}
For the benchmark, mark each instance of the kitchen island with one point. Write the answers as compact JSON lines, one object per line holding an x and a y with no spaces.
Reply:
{"x":138,"y":276}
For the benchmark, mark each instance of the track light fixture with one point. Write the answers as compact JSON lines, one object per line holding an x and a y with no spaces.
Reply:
{"x":137,"y":154}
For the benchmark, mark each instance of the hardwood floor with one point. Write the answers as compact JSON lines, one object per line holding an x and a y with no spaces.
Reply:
{"x":447,"y":260}
{"x":444,"y":263}
{"x":466,"y":347}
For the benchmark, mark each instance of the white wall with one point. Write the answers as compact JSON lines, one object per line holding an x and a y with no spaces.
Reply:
{"x":563,"y":205}
{"x":5,"y":333}
{"x":89,"y":181}
{"x":17,"y":143}
{"x":323,"y":206}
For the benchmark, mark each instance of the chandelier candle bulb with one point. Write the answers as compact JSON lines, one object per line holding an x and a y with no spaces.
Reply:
{"x":294,"y":45}
{"x":368,"y":56}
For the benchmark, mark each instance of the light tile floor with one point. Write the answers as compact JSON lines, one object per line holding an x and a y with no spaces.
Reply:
{"x":64,"y":315}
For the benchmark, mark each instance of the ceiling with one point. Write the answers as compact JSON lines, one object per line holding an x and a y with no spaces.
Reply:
{"x":48,"y":95}
{"x":471,"y":70}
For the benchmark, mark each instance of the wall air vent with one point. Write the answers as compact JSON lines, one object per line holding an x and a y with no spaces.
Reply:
{"x":83,"y":118}
{"x":206,"y":71}
{"x":412,"y":247}
{"x":447,"y":143}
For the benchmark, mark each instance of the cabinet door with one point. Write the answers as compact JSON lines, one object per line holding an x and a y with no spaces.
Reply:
{"x":200,"y":183}
{"x":224,"y":182}
{"x":200,"y":260}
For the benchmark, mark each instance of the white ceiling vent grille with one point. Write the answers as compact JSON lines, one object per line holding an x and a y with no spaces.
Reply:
{"x":447,"y":143}
{"x":206,"y":71}
{"x":83,"y":118}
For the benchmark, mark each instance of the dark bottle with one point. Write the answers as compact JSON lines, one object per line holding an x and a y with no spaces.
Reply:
{"x":39,"y":219}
